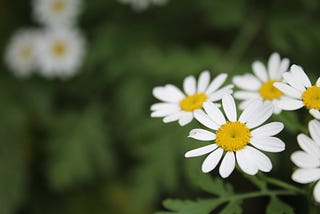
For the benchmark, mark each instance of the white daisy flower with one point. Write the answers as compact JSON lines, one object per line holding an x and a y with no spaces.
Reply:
{"x":140,"y":5}
{"x":235,"y":139}
{"x":180,"y":106}
{"x":308,"y":160}
{"x":56,"y":12}
{"x":21,"y":52}
{"x":60,"y":52}
{"x":300,"y":92}
{"x":260,"y":85}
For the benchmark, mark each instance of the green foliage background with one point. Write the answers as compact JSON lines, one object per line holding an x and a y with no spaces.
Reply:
{"x":88,"y":144}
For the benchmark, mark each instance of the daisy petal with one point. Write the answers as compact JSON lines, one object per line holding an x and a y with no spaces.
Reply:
{"x":217,"y":95}
{"x":247,"y":113}
{"x":318,"y":82}
{"x":201,"y":151}
{"x":201,"y":134}
{"x":267,"y":130}
{"x":316,"y":192}
{"x":308,"y":145}
{"x":205,"y":120}
{"x":314,"y":129}
{"x":245,"y":95}
{"x":274,"y":64}
{"x":229,"y":107}
{"x":185,"y":118}
{"x":305,"y":160}
{"x":245,"y":163}
{"x":304,"y":176}
{"x":291,"y":80}
{"x":315,"y":113}
{"x":288,"y":90}
{"x":203,"y":81}
{"x":284,"y":66}
{"x":168,"y":93}
{"x":212,"y":160}
{"x":260,"y":115}
{"x":214,"y":113}
{"x":247,"y":82}
{"x":172,"y":117}
{"x":300,"y":75}
{"x":268,"y":144}
{"x":260,"y":71}
{"x":261,"y":160}
{"x":163,"y":113}
{"x":289,"y":104}
{"x":216,"y":83}
{"x":227,"y":165}
{"x":164,"y":106}
{"x":189,"y":85}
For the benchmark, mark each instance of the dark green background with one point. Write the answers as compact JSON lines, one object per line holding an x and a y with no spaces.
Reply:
{"x":88,"y":144}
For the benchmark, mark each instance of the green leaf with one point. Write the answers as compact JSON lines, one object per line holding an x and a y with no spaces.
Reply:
{"x":201,"y":206}
{"x":234,"y":207}
{"x":78,"y":149}
{"x":276,"y":206}
{"x":262,"y":185}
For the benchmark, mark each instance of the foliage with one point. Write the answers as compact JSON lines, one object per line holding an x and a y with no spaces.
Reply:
{"x":88,"y":144}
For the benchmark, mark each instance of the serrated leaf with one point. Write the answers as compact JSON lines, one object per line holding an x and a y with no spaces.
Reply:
{"x":201,"y":206}
{"x":276,"y":206}
{"x":234,"y":207}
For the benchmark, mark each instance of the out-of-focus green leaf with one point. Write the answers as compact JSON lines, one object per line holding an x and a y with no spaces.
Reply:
{"x":276,"y":206}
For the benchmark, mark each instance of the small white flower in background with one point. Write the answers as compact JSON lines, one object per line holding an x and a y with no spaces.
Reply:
{"x":235,"y":139}
{"x":21,"y":52}
{"x":300,"y":91}
{"x":56,"y":12}
{"x":60,"y":52}
{"x":140,"y":5}
{"x":260,"y":85}
{"x":180,"y":106}
{"x":308,"y":160}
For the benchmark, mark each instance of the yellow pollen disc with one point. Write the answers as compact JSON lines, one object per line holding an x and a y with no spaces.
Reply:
{"x":233,"y":136}
{"x":58,"y":5}
{"x":268,"y":91}
{"x":311,"y":97}
{"x":190,"y":103}
{"x":59,"y":49}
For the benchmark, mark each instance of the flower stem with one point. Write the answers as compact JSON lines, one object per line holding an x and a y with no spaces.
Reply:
{"x":282,"y":184}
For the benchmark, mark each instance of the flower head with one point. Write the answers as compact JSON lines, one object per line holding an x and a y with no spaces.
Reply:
{"x":300,"y":91}
{"x":56,"y":12}
{"x":60,"y":52}
{"x":181,"y":106}
{"x":308,"y":160}
{"x":21,"y":52}
{"x":260,"y":85}
{"x":234,"y":138}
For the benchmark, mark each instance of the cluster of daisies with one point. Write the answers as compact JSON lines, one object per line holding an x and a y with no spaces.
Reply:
{"x":240,"y":135}
{"x":54,"y":50}
{"x":140,"y":5}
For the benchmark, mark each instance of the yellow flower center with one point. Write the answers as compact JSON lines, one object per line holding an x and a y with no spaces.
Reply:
{"x":190,"y":103}
{"x":58,"y":6}
{"x":268,"y":91}
{"x":59,"y":49}
{"x":233,"y":136}
{"x":311,"y":97}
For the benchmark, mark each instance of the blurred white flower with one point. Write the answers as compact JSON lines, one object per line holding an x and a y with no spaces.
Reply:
{"x":140,"y":5}
{"x":60,"y":52}
{"x":180,"y":106}
{"x":308,"y":160}
{"x":20,"y":54}
{"x":56,"y":12}
{"x":260,"y":85}
{"x":300,"y":91}
{"x":235,"y":139}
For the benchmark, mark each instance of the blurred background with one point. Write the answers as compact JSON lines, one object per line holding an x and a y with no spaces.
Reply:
{"x":87,"y":144}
